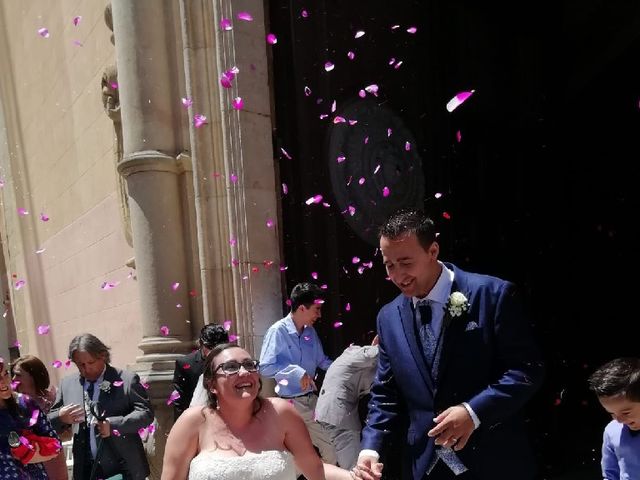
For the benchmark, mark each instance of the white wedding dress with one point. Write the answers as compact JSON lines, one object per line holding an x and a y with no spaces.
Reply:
{"x":267,"y":465}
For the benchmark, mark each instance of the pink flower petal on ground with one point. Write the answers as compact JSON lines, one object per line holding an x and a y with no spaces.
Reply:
{"x":225,"y":24}
{"x":186,"y":102}
{"x":339,"y":119}
{"x":109,"y":285}
{"x":304,"y":14}
{"x":372,"y":89}
{"x":233,"y":338}
{"x":348,"y":307}
{"x":117,"y":383}
{"x":314,"y":275}
{"x":43,"y":32}
{"x":438,"y":195}
{"x":226,"y":325}
{"x":173,"y":397}
{"x":34,"y":417}
{"x":164,"y":330}
{"x":270,"y":223}
{"x":412,"y":30}
{"x":341,"y":158}
{"x":351,"y":55}
{"x":76,"y":20}
{"x":272,"y":39}
{"x":307,"y":91}
{"x":458,"y":100}
{"x":337,"y":324}
{"x":351,"y":210}
{"x":246,"y":16}
{"x":56,"y":364}
{"x":199,"y":120}
{"x":407,"y":146}
{"x":233,"y":178}
{"x":314,"y":199}
{"x":328,"y":66}
{"x":175,"y":286}
{"x":458,"y":136}
{"x":285,"y":189}
{"x":355,"y":260}
{"x":359,"y":33}
{"x":23,"y":211}
{"x":386,"y":192}
{"x":285,"y":153}
{"x":237,"y":103}
{"x":43,"y":329}
{"x":19,"y":284}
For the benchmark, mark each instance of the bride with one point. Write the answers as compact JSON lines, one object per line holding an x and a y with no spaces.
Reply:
{"x":240,"y":436}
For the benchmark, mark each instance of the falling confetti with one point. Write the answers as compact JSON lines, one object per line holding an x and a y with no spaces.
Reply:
{"x":43,"y":329}
{"x":43,"y":32}
{"x":199,"y":120}
{"x":359,"y":34}
{"x":173,"y":397}
{"x":351,"y":55}
{"x":285,"y":189}
{"x":23,"y":212}
{"x":19,"y":284}
{"x":446,"y":215}
{"x":76,"y":20}
{"x":270,"y":223}
{"x":348,"y":307}
{"x":225,"y":25}
{"x":285,"y":153}
{"x":233,"y":338}
{"x":175,"y":286}
{"x":109,"y":285}
{"x":412,"y":30}
{"x":407,"y":146}
{"x":186,"y":102}
{"x":40,"y":250}
{"x":164,"y":330}
{"x":237,"y":103}
{"x":56,"y":364}
{"x":307,"y":91}
{"x":233,"y":178}
{"x":314,"y":275}
{"x":314,"y":199}
{"x":44,"y":217}
{"x":458,"y":100}
{"x":437,"y":195}
{"x":272,"y":39}
{"x":385,"y":192}
{"x":328,"y":66}
{"x":337,"y":324}
{"x":304,"y":14}
{"x":34,"y":417}
{"x":341,"y":158}
{"x":226,"y":325}
{"x":372,"y":89}
{"x":117,"y":383}
{"x":246,"y":16}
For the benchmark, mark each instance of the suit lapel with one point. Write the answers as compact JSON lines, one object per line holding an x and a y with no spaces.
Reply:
{"x":408,"y":325}
{"x":110,"y":375}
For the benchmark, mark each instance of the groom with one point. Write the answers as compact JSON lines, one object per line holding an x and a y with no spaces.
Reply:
{"x":457,"y":363}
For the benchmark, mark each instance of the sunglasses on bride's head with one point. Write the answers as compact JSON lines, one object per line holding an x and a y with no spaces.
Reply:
{"x":232,"y":366}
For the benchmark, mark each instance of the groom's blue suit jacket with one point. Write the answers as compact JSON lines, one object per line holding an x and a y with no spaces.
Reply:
{"x":489,"y":360}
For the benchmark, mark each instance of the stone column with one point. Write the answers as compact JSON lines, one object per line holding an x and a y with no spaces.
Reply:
{"x":149,"y":100}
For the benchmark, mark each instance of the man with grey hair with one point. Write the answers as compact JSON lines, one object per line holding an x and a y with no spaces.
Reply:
{"x":104,"y":407}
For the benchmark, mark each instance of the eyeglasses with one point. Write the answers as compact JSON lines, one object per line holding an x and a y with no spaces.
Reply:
{"x":232,"y":367}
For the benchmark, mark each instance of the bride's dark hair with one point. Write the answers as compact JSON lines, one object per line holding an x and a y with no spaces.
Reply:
{"x":208,"y":377}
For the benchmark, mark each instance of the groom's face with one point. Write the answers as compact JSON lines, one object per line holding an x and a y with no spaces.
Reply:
{"x":411,"y":267}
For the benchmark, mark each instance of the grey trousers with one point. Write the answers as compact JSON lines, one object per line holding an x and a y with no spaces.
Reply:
{"x":306,"y":406}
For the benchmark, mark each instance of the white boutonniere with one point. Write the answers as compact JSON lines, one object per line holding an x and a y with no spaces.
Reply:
{"x":457,"y":304}
{"x":105,"y":386}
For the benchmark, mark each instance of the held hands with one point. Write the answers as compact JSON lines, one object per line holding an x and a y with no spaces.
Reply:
{"x":454,"y":427}
{"x":368,"y":468}
{"x":71,"y":414}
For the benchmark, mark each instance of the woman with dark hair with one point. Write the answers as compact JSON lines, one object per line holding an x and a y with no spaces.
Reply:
{"x":20,"y":417}
{"x":30,"y":377}
{"x":238,"y":435}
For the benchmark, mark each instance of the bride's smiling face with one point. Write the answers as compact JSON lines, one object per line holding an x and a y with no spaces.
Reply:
{"x":235,"y":375}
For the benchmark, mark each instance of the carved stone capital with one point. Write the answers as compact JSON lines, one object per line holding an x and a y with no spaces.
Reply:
{"x":148,"y":161}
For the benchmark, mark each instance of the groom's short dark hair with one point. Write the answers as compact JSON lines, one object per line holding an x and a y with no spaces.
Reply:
{"x":305,"y":294}
{"x":409,"y":222}
{"x":617,"y":377}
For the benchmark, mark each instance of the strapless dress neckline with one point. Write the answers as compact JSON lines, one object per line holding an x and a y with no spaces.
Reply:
{"x":265,"y":465}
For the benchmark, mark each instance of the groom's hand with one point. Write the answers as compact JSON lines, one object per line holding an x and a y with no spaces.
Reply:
{"x":367,"y":468}
{"x":454,"y":427}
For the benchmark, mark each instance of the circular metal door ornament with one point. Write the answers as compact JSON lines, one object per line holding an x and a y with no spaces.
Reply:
{"x":374,"y":166}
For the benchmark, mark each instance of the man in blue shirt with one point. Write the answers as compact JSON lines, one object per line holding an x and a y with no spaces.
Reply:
{"x":617,"y":385}
{"x":291,"y":354}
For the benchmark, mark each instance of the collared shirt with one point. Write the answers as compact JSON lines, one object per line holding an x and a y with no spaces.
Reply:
{"x":287,"y":355}
{"x":90,"y":419}
{"x":620,"y":453}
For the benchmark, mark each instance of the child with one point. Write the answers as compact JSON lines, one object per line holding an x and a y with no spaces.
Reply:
{"x":617,"y":385}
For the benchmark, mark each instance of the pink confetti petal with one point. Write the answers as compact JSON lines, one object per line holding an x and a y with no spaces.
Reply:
{"x":328,"y":66}
{"x":304,"y":14}
{"x":351,"y":55}
{"x":366,"y":140}
{"x":114,"y":85}
{"x":386,"y":192}
{"x":67,"y":363}
{"x":237,"y":103}
{"x":226,"y":325}
{"x":341,"y":158}
{"x":19,"y":284}
{"x":337,"y":324}
{"x":34,"y":417}
{"x":56,"y":364}
{"x":233,"y":178}
{"x":412,"y":30}
{"x":351,"y":210}
{"x":270,"y":223}
{"x":246,"y":16}
{"x":199,"y":120}
{"x":339,"y":119}
{"x":151,"y":429}
{"x":372,"y":89}
{"x":398,"y":65}
{"x":359,"y":34}
{"x":144,"y":385}
{"x":164,"y":330}
{"x":23,"y":212}
{"x":407,"y":146}
{"x":362,"y":93}
{"x":143,"y":432}
{"x":377,"y":169}
{"x":348,"y":307}
{"x":389,"y":132}
{"x":173,"y":397}
{"x":314,"y":199}
{"x":225,"y":80}
{"x":43,"y":32}
{"x":225,"y":24}
{"x":361,"y":181}
{"x":446,"y":215}
{"x":117,"y":383}
{"x":458,"y":100}
{"x":43,"y":329}
{"x":76,"y":20}
{"x":285,"y":189}
{"x":233,"y":338}
{"x":272,"y":39}
{"x":77,"y":43}
{"x":40,"y":250}
{"x":438,"y":195}
{"x":175,"y":286}
{"x":233,"y":242}
{"x":318,"y":301}
{"x":458,"y":136}
{"x":314,"y":275}
{"x":334,"y":105}
{"x":285,"y":153}
{"x":307,"y":91}
{"x":17,"y":344}
{"x":186,"y":102}
{"x":109,"y":285}
{"x":395,"y":27}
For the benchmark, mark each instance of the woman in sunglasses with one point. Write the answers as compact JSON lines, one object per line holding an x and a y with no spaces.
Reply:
{"x":238,"y":435}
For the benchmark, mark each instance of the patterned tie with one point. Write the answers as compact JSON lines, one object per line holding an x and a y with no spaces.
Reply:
{"x":430,"y":347}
